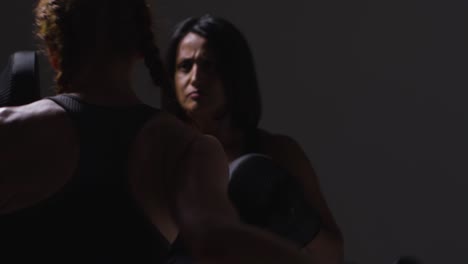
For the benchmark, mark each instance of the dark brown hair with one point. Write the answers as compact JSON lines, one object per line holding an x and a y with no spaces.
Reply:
{"x":234,"y":62}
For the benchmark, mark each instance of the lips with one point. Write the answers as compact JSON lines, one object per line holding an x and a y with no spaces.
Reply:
{"x":195,"y":94}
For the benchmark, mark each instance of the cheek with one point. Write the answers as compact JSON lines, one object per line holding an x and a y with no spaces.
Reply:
{"x":179,"y":88}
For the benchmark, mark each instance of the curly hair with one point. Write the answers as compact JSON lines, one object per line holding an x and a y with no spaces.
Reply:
{"x":71,"y":30}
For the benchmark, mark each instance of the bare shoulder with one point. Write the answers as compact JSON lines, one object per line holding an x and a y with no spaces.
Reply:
{"x":38,"y":153}
{"x":164,"y":130}
{"x":38,"y":121}
{"x":33,"y":114}
{"x":38,"y":134}
{"x":182,"y":159}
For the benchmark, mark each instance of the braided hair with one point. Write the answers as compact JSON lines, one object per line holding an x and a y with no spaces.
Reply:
{"x":70,"y":29}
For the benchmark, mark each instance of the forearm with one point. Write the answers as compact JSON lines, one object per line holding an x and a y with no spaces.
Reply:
{"x":325,"y":248}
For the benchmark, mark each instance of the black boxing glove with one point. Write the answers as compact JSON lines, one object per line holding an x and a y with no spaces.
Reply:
{"x":19,"y":80}
{"x":254,"y":181}
{"x":265,"y":195}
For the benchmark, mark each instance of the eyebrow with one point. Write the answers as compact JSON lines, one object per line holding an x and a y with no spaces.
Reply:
{"x":191,"y":58}
{"x":183,"y":59}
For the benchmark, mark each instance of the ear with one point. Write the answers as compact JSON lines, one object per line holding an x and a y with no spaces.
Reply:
{"x":53,"y":59}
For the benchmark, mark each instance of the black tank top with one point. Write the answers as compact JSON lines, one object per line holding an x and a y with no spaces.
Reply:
{"x":94,"y":217}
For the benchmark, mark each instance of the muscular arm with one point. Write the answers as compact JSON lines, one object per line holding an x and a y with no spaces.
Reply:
{"x":208,"y":222}
{"x":195,"y":177}
{"x":327,"y":246}
{"x":6,"y":164}
{"x":37,"y":153}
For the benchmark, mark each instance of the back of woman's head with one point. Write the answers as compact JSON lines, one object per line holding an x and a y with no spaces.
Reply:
{"x":234,"y":64}
{"x":76,"y":31}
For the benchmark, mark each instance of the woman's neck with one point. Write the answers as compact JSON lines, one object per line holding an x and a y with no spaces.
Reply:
{"x":111,"y":96}
{"x":104,"y":85}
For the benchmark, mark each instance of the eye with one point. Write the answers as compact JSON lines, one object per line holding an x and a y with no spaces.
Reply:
{"x":185,"y":66}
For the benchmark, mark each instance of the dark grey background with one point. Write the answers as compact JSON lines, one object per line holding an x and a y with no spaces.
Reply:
{"x":375,"y":93}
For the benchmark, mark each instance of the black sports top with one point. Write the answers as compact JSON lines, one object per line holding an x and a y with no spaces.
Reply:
{"x":94,"y":217}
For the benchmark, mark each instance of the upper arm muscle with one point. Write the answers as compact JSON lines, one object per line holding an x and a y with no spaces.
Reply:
{"x":37,"y":153}
{"x":202,"y":190}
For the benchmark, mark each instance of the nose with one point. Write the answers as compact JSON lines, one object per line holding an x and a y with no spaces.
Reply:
{"x":196,"y":74}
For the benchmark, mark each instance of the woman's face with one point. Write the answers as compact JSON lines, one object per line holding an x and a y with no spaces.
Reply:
{"x":198,"y":85}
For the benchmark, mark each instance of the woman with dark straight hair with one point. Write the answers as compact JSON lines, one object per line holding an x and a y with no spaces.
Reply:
{"x":93,"y":175}
{"x":215,"y":84}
